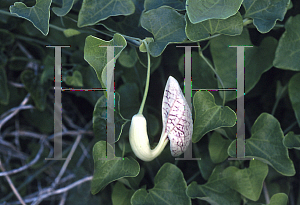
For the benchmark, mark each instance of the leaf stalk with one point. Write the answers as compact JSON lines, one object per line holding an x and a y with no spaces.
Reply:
{"x":147,"y":80}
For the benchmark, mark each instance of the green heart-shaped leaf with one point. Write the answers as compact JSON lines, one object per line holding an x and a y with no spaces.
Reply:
{"x":106,"y":171}
{"x":128,"y":58}
{"x":166,"y":25}
{"x":265,"y":13}
{"x":121,"y":195}
{"x":294,"y":94}
{"x":258,"y":60}
{"x":216,"y":191}
{"x":201,"y":10}
{"x":96,"y":56}
{"x":206,"y":166}
{"x":154,"y":4}
{"x":75,"y":79}
{"x":228,"y":132}
{"x":292,"y":141}
{"x":133,"y":182}
{"x":169,"y":188}
{"x":209,"y":116}
{"x":231,"y":26}
{"x":266,"y":145}
{"x":71,"y":32}
{"x":279,"y":199}
{"x":100,"y":117}
{"x":218,"y":148}
{"x":92,"y":12}
{"x":66,"y":7}
{"x":248,"y":182}
{"x":294,"y":86}
{"x":38,"y":15}
{"x":276,"y":199}
{"x":48,"y":71}
{"x":129,"y":25}
{"x":288,"y":50}
{"x":36,"y":88}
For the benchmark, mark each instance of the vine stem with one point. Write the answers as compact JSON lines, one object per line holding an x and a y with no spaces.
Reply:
{"x":134,"y":41}
{"x":7,"y":13}
{"x":290,"y":127}
{"x":213,"y":69}
{"x":147,"y":80}
{"x":192,"y":177}
{"x":278,"y":98}
{"x":247,"y":21}
{"x":57,"y":28}
{"x":266,"y":193}
{"x":205,"y":39}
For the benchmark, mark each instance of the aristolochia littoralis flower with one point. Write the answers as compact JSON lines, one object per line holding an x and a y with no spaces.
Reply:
{"x":177,"y":125}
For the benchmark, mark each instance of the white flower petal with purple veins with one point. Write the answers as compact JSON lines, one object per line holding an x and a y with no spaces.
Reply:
{"x":176,"y":117}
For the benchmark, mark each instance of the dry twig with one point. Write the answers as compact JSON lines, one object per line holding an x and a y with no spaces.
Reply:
{"x":14,"y":171}
{"x":12,"y":185}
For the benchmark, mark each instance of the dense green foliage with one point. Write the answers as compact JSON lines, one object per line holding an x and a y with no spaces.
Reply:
{"x":272,"y":100}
